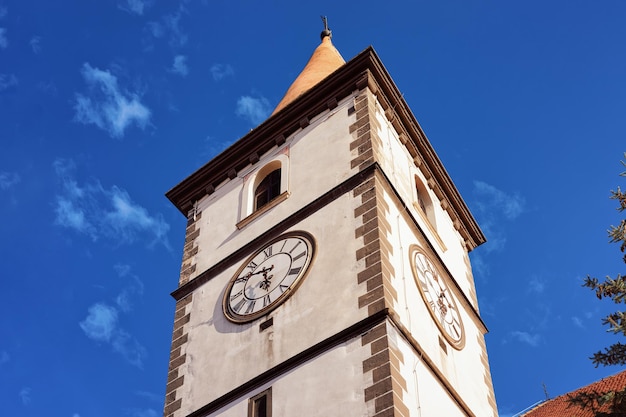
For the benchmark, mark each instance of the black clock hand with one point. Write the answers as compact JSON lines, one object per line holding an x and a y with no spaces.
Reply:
{"x":266,"y":283}
{"x":263,"y":271}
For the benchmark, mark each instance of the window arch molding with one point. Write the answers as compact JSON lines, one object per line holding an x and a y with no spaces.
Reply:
{"x":423,"y":202}
{"x":423,"y":205}
{"x":254,"y":179}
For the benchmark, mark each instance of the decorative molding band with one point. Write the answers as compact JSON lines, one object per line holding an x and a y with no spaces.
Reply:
{"x":365,"y":72}
{"x":275,"y":231}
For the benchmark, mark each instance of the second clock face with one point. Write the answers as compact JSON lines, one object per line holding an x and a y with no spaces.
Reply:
{"x":268,"y":277}
{"x":437,"y":296}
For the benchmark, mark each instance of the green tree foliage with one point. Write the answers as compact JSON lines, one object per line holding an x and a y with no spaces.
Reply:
{"x":612,"y":403}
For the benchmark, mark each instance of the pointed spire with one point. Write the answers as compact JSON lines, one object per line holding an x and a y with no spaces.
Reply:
{"x":324,"y":61}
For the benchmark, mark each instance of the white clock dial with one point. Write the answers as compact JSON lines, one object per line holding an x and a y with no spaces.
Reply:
{"x":437,"y":296}
{"x":268,"y":277}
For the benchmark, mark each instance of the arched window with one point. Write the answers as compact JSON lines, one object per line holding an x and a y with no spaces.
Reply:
{"x":267,"y":190}
{"x":264,"y":188}
{"x":423,"y":201}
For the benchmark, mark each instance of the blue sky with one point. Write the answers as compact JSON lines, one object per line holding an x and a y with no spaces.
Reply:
{"x":106,"y":105}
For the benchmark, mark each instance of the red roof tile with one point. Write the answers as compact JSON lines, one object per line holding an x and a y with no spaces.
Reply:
{"x":561,"y":407}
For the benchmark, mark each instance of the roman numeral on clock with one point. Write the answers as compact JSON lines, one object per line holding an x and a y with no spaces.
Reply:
{"x":294,"y":248}
{"x":298,"y":256}
{"x":237,"y":307}
{"x":293,"y":271}
{"x":250,"y":308}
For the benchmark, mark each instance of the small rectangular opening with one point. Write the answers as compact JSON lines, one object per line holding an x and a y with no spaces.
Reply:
{"x":443,"y":345}
{"x":266,"y":324}
{"x":261,"y":404}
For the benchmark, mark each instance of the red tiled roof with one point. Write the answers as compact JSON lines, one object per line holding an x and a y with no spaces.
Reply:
{"x":561,"y":407}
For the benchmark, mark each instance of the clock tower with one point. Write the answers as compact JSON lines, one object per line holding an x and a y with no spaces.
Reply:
{"x":325,"y":268}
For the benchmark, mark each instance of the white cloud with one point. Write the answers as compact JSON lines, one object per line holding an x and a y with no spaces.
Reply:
{"x":122,"y":270}
{"x":536,"y":285}
{"x":495,"y":200}
{"x":156,"y":29}
{"x":7,"y":81}
{"x":133,"y":288}
{"x":97,"y":212}
{"x":150,"y":396}
{"x":479,"y":265}
{"x":72,"y":216}
{"x":134,"y":6}
{"x":525,"y":337}
{"x":100,"y":323}
{"x":253,"y":109}
{"x":493,"y":209}
{"x":127,"y":219}
{"x":35,"y":44}
{"x":180,"y":65}
{"x":169,"y":27}
{"x":108,"y":106}
{"x":219,"y":71}
{"x":172,"y":22}
{"x":129,"y":348}
{"x":149,"y":412}
{"x":25,"y":395}
{"x":4,"y":42}
{"x":4,"y":357}
{"x":578,"y":322}
{"x":8,"y":180}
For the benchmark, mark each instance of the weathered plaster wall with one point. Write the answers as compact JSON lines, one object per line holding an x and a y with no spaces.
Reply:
{"x":464,"y":369}
{"x":361,"y":268}
{"x":326,"y":300}
{"x":311,"y":151}
{"x":400,"y":168}
{"x":329,"y":385}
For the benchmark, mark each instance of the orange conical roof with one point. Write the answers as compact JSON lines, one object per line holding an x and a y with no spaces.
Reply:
{"x":324,"y":61}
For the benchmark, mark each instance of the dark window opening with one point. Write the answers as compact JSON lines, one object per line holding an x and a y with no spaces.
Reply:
{"x":421,"y":202}
{"x":267,"y":190}
{"x":261,"y":404}
{"x":443,"y":346}
{"x":260,"y":407}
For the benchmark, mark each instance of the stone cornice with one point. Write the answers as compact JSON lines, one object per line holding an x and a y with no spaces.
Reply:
{"x":365,"y":70}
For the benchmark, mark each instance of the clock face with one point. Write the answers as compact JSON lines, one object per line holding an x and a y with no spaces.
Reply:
{"x":268,"y":277}
{"x":437,"y":296}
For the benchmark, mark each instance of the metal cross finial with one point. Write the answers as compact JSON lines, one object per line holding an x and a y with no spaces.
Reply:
{"x":326,"y":31}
